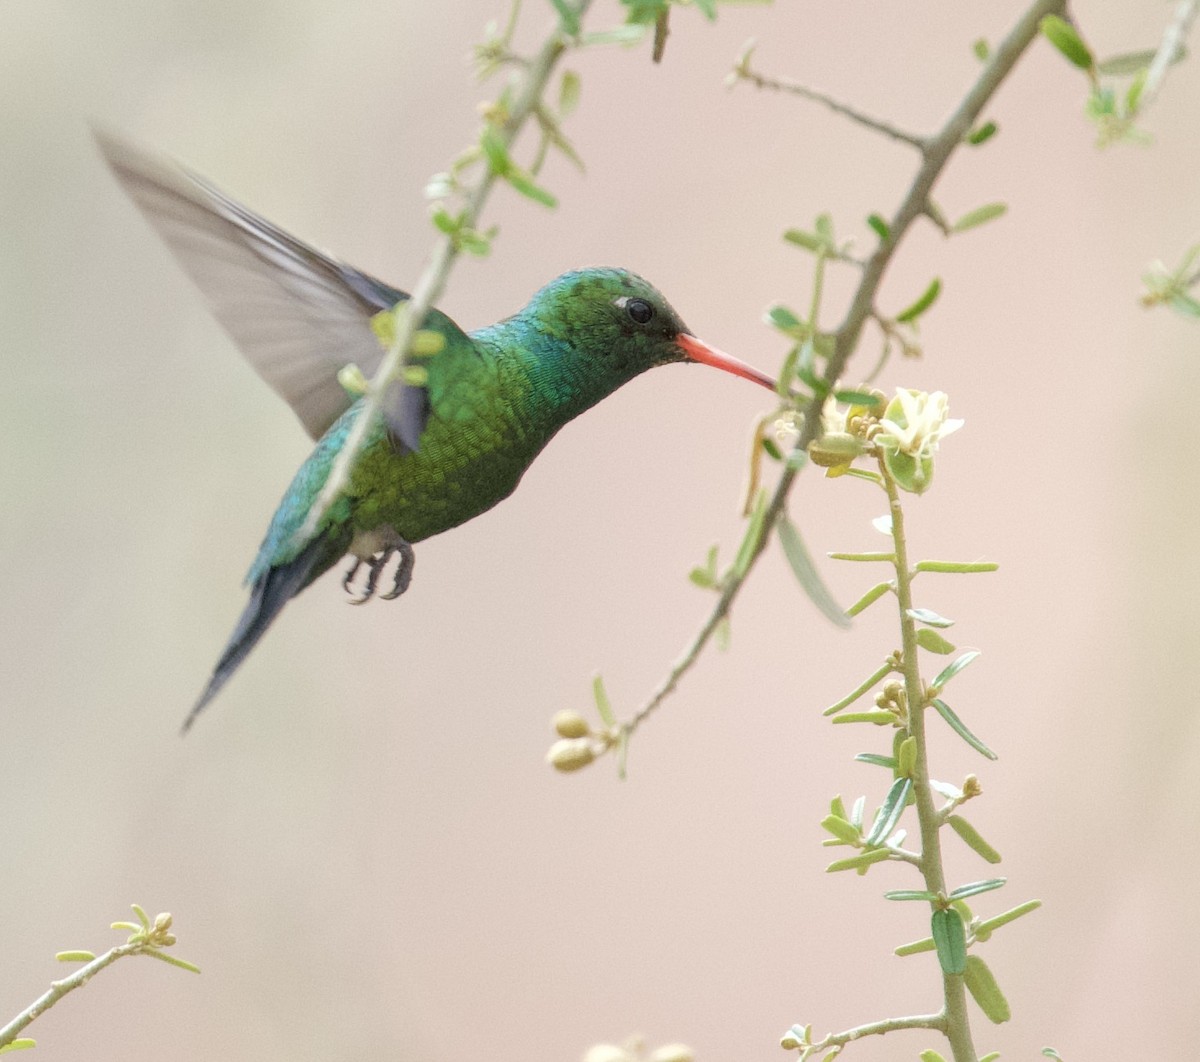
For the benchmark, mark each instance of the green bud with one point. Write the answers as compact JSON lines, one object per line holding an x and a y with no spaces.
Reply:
{"x":353,"y":382}
{"x":834,"y":449}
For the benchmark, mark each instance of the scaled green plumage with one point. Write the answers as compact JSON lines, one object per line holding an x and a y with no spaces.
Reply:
{"x":442,"y":453}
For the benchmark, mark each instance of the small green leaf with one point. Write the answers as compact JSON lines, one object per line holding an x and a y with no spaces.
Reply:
{"x":569,"y":89}
{"x":750,"y":542}
{"x":875,"y":760}
{"x":976,"y":887}
{"x":1066,"y":39}
{"x":889,"y":557}
{"x":983,"y":988}
{"x":950,"y":939}
{"x":929,"y":617}
{"x":879,"y":227}
{"x":701,"y":578}
{"x":907,"y":759}
{"x":443,"y":220}
{"x":171,"y":960}
{"x":972,"y":839}
{"x":869,"y":598}
{"x":927,"y":299}
{"x":890,"y":811}
{"x":1049,"y":1052}
{"x":991,"y":1056}
{"x":771,"y":448}
{"x":568,"y":17}
{"x":841,"y":829}
{"x":838,"y":807}
{"x":1184,"y":304}
{"x":916,"y":947}
{"x":860,"y":861}
{"x":856,"y":398}
{"x":879,"y":718}
{"x":982,"y":134}
{"x":956,"y":567}
{"x":75,"y":956}
{"x":495,"y":151}
{"x":806,"y":572}
{"x":141,"y":915}
{"x":127,"y":926}
{"x":1129,"y":64}
{"x":784,"y":319}
{"x":930,"y":1055}
{"x":524,"y":184}
{"x":981,"y":49}
{"x":979,"y":216}
{"x":910,"y":894}
{"x":807,"y":240}
{"x":990,"y":925}
{"x":950,"y":670}
{"x":929,"y":639}
{"x":856,"y":812}
{"x":603,"y":704}
{"x":623,"y":35}
{"x":22,"y":1043}
{"x":960,"y":728}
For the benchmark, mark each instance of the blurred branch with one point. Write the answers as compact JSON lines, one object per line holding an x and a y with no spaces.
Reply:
{"x":146,"y":938}
{"x":534,"y":79}
{"x":1171,"y":47}
{"x":936,"y":154}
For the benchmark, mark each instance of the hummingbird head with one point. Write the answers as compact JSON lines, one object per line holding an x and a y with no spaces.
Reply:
{"x":615,"y":323}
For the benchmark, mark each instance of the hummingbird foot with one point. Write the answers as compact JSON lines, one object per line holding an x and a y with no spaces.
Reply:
{"x":386,"y":545}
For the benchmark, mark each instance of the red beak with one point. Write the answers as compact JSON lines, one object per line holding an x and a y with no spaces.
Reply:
{"x":706,"y":355}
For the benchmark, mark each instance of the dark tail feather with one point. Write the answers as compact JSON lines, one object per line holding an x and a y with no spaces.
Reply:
{"x":269,"y":594}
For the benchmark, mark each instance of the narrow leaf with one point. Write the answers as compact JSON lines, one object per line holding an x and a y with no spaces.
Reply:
{"x":983,"y":134}
{"x":890,"y":811}
{"x":878,"y":717}
{"x":976,"y":887}
{"x":141,"y":915}
{"x":171,"y":960}
{"x":930,"y":1055}
{"x":869,"y":598}
{"x":749,"y":546}
{"x":950,"y":939}
{"x":910,"y":894}
{"x":784,"y":319}
{"x":960,"y":728}
{"x":956,"y":567}
{"x":841,"y":829}
{"x":982,"y":50}
{"x":930,"y":618}
{"x":889,"y":557}
{"x":927,"y":638}
{"x":860,"y":861}
{"x":916,"y":947}
{"x":806,"y":573}
{"x":75,"y":956}
{"x":22,"y":1043}
{"x":807,"y":240}
{"x":524,"y":184}
{"x":952,"y":669}
{"x":927,"y":299}
{"x":972,"y":839}
{"x":603,"y":704}
{"x":880,"y":227}
{"x":838,"y":807}
{"x":979,"y":216}
{"x":907,"y":759}
{"x":568,"y":17}
{"x":983,"y":988}
{"x":856,"y":812}
{"x":1066,"y":39}
{"x":991,"y":924}
{"x":875,"y":760}
{"x":568,"y":92}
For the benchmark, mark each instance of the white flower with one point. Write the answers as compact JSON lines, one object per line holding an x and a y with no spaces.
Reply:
{"x":915,"y":422}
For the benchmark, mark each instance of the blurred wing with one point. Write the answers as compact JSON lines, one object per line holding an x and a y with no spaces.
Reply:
{"x":298,"y":315}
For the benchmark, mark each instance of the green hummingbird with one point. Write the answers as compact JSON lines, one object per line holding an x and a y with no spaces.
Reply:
{"x":443,"y":452}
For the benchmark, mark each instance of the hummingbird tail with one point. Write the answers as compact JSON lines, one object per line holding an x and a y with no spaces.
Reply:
{"x":270,"y":592}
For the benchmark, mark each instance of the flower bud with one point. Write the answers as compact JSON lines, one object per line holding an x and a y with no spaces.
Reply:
{"x":570,"y":724}
{"x":570,"y":754}
{"x":834,"y":449}
{"x":607,"y":1053}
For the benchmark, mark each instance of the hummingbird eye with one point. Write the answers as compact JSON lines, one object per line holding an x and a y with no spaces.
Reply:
{"x":639,"y":310}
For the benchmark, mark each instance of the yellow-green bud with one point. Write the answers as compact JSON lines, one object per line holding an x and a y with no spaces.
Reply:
{"x":162,"y":922}
{"x":353,"y":382}
{"x":570,"y":724}
{"x":834,"y":449}
{"x":971,"y":787}
{"x":570,"y":754}
{"x":607,"y":1053}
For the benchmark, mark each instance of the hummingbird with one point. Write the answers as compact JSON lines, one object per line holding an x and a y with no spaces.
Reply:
{"x":443,"y":451}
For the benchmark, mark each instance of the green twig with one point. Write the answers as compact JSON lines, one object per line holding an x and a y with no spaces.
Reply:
{"x":428,"y":290}
{"x":936,"y":153}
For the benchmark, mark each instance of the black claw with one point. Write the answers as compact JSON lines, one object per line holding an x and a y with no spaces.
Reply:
{"x":404,"y":571}
{"x":348,"y":579}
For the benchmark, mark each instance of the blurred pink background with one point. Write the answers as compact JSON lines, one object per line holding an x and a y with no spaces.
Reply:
{"x":360,"y":841}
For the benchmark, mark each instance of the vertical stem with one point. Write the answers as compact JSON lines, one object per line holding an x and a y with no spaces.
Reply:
{"x":958,"y":1025}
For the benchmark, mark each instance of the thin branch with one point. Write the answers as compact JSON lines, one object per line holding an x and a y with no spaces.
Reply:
{"x":936,"y":154}
{"x":742,"y":71}
{"x":432,"y":282}
{"x":1170,"y":49}
{"x":876,"y":1028}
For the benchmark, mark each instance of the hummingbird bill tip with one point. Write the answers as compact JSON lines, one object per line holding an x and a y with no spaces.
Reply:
{"x":700,"y":351}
